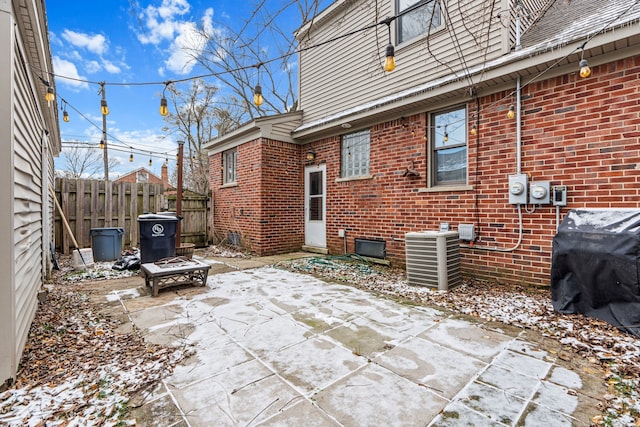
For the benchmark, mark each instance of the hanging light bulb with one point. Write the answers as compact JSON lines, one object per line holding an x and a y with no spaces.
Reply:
{"x":150,"y":161}
{"x":257,"y":92}
{"x":104,"y":109}
{"x":257,"y":96}
{"x":585,"y":70}
{"x":49,"y":95}
{"x":65,"y":116}
{"x":512,"y":112}
{"x":101,"y":144}
{"x":446,"y":137}
{"x":166,"y":161}
{"x":131,"y":157}
{"x":164,"y":109}
{"x":474,"y":130}
{"x":390,"y":61}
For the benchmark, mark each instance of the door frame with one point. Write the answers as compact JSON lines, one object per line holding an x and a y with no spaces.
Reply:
{"x":315,"y":232}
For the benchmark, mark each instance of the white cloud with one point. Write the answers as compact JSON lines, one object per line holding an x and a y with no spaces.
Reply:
{"x":186,"y":43}
{"x":185,"y":49}
{"x":68,"y":69}
{"x":161,"y":21}
{"x":96,"y":43}
{"x":110,"y":67}
{"x":92,"y":67}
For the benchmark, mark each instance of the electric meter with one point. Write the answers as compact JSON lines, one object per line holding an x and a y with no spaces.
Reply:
{"x":539,"y":193}
{"x":518,"y":189}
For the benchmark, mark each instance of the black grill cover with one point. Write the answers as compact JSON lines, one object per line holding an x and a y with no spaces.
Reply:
{"x":594,"y":266}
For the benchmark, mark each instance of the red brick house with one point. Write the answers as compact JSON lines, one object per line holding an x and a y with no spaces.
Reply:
{"x":142,"y":175}
{"x":433,"y":141}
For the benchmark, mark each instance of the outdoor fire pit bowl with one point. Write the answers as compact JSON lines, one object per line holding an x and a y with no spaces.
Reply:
{"x":185,"y":250}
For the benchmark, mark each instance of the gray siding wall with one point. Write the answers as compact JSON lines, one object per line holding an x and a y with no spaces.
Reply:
{"x":28,"y":208}
{"x":8,"y":361}
{"x":29,"y":138}
{"x":348,"y":72}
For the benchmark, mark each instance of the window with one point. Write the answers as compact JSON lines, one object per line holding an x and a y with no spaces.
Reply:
{"x":229,"y":165}
{"x":449,"y":147}
{"x":355,"y":154}
{"x":420,"y":16}
{"x":142,"y":176}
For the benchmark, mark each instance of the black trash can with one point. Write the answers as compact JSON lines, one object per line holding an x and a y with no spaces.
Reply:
{"x":595,"y":266}
{"x":106,"y":243}
{"x":157,"y":236}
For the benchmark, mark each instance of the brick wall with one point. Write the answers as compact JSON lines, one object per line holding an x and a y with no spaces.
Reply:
{"x":266,"y":205}
{"x":584,"y":134}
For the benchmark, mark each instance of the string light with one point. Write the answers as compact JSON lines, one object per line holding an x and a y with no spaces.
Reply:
{"x":390,"y":61}
{"x":585,"y":70}
{"x":104,"y":108}
{"x":65,"y":115}
{"x":50,"y":95}
{"x":131,"y":157}
{"x":257,"y":92}
{"x":101,"y":144}
{"x":474,"y":130}
{"x":164,"y":109}
{"x":150,"y":161}
{"x":512,"y":112}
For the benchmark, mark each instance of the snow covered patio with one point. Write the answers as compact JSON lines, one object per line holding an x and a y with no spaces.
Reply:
{"x":274,"y":347}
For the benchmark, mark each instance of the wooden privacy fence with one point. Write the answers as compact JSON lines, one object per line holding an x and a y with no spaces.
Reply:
{"x":89,"y":204}
{"x":195,"y":211}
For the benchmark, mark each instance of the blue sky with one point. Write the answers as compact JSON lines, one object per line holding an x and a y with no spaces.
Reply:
{"x":131,"y":42}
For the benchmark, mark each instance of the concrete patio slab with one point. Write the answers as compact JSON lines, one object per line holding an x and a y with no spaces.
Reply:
{"x":276,"y":348}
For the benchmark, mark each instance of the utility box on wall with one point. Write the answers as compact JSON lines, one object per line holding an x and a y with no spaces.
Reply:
{"x":433,"y":259}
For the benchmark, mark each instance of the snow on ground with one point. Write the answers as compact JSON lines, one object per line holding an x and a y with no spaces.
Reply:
{"x":522,"y":306}
{"x":78,"y":371}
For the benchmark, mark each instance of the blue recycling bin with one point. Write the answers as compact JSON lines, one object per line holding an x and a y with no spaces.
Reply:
{"x":106,"y":243}
{"x":157,"y":236}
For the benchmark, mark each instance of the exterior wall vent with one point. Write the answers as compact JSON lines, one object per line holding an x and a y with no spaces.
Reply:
{"x":433,"y":259}
{"x":371,"y":248}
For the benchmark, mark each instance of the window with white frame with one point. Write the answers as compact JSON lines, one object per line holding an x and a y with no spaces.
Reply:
{"x":355,"y":154}
{"x":229,"y":166}
{"x":416,"y":17}
{"x":449,"y":147}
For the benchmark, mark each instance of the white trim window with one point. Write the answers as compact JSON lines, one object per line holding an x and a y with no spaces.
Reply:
{"x":420,"y":16}
{"x":229,"y":166}
{"x":449,"y":147}
{"x":355,"y":154}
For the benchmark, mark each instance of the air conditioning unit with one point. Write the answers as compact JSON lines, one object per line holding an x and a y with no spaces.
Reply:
{"x":433,"y":259}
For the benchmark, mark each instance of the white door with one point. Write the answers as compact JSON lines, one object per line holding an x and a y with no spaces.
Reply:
{"x":315,"y":226}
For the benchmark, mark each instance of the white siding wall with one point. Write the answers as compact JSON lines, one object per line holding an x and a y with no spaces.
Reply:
{"x":27,"y":204}
{"x":26,"y":166}
{"x":8,"y":362}
{"x":348,"y":72}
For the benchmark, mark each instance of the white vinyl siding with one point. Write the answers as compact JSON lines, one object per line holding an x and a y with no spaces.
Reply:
{"x":348,"y":73}
{"x":26,"y":168}
{"x":355,"y":154}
